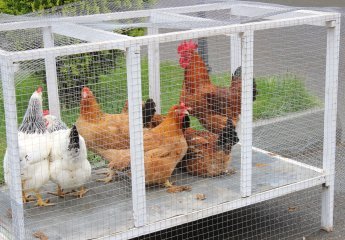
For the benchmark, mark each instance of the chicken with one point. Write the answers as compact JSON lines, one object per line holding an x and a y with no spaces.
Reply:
{"x":208,"y":153}
{"x":164,"y":148}
{"x":34,"y":143}
{"x":212,"y":105}
{"x":101,"y":131}
{"x":69,"y":166}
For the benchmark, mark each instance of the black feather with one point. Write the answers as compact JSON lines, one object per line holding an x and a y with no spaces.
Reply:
{"x":33,"y":121}
{"x":149,"y":110}
{"x":238,"y":73}
{"x":227,"y":137}
{"x":74,"y":139}
{"x":185,"y":122}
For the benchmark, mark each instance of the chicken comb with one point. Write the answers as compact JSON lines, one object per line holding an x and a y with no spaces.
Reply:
{"x":45,"y":112}
{"x":185,"y":46}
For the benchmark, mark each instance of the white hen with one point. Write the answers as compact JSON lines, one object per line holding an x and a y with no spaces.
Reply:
{"x":69,"y":167}
{"x":34,"y":148}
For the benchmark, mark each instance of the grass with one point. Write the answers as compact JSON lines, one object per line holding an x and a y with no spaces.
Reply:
{"x":278,"y":96}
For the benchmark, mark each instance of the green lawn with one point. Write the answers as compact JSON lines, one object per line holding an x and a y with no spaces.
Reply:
{"x":277,"y":96}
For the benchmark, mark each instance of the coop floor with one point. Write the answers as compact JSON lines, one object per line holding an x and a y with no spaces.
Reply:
{"x":107,"y":209}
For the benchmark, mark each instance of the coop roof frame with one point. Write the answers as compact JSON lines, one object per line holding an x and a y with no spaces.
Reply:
{"x":99,"y":40}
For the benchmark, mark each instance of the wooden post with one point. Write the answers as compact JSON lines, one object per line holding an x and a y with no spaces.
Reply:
{"x":51,"y":74}
{"x":154,"y":67}
{"x":9,"y":93}
{"x":136,"y":135}
{"x":247,"y":113}
{"x":330,"y":117}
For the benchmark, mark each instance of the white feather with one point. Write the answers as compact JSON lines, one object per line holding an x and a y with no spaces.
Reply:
{"x":34,"y":150}
{"x":68,"y":168}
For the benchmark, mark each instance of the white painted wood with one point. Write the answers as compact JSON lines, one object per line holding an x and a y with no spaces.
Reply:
{"x":235,"y":52}
{"x":136,"y":135}
{"x":289,"y":160}
{"x":169,"y":37}
{"x":51,"y":74}
{"x":38,"y":23}
{"x":154,"y":66}
{"x":221,"y":208}
{"x":9,"y":93}
{"x":330,"y":117}
{"x":86,"y":33}
{"x":167,"y":17}
{"x":247,"y":113}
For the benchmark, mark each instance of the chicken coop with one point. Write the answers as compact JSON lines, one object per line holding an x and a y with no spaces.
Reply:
{"x":120,"y":121}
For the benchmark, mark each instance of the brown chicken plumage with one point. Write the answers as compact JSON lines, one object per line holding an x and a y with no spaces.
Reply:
{"x":164,"y":148}
{"x":208,"y":153}
{"x":101,"y":131}
{"x":212,"y":105}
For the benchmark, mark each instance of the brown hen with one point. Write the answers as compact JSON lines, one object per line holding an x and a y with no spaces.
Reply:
{"x":164,"y":148}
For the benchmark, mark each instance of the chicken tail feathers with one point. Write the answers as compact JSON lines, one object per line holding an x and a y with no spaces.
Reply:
{"x":149,"y":110}
{"x":227,"y":137}
{"x":238,"y":75}
{"x":74,"y":139}
{"x":255,"y":91}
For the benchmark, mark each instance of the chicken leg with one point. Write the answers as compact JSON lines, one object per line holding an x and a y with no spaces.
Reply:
{"x":81,"y":193}
{"x":26,"y":198}
{"x":110,"y":174}
{"x":41,"y":202}
{"x":174,"y":189}
{"x":60,"y":193}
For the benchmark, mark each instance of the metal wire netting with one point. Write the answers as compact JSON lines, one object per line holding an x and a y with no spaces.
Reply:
{"x":289,"y":67}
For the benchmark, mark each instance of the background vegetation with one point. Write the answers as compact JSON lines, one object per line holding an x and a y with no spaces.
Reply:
{"x":105,"y":73}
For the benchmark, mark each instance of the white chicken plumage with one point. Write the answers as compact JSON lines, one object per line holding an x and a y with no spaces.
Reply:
{"x":69,"y":166}
{"x":34,"y":148}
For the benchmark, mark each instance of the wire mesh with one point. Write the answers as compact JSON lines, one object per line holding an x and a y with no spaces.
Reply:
{"x":193,"y":163}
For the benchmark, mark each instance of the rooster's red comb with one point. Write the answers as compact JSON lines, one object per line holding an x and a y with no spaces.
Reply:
{"x":185,"y":46}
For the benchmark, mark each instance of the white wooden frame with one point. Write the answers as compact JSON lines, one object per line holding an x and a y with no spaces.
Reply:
{"x":242,"y":37}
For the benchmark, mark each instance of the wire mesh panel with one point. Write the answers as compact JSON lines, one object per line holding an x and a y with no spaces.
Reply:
{"x":210,"y":112}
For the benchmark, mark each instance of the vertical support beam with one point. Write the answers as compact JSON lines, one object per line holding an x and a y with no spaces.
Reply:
{"x":51,"y":74}
{"x":247,"y":113}
{"x":9,"y":93}
{"x":235,"y":52}
{"x":154,"y":67}
{"x":330,"y":117}
{"x":136,"y":135}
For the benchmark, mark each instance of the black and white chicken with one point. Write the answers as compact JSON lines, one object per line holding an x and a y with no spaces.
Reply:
{"x":69,"y":166}
{"x":34,"y":148}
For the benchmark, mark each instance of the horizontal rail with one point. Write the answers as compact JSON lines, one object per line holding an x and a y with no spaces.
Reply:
{"x":221,"y":208}
{"x":169,"y":37}
{"x":289,"y":160}
{"x":38,"y":23}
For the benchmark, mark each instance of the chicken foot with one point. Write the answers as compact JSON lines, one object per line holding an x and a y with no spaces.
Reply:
{"x":41,"y":202}
{"x":110,"y":174}
{"x":174,"y":189}
{"x":26,"y":198}
{"x":60,"y":193}
{"x":81,"y":193}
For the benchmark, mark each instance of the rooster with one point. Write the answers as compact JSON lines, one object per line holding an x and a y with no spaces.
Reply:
{"x":34,"y":143}
{"x":69,"y":166}
{"x":212,"y":105}
{"x":164,"y":148}
{"x":208,"y":153}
